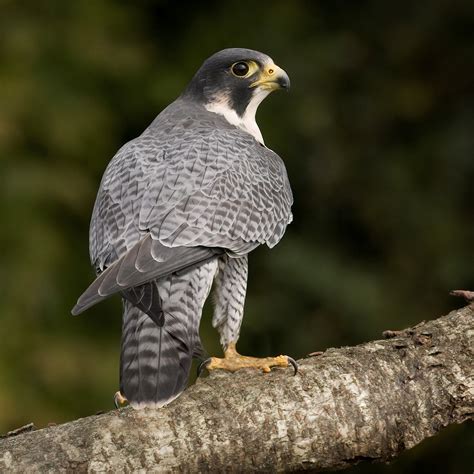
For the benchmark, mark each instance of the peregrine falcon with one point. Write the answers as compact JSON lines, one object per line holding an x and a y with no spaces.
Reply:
{"x":180,"y":208}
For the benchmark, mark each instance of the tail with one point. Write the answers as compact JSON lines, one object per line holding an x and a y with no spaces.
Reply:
{"x":155,"y":360}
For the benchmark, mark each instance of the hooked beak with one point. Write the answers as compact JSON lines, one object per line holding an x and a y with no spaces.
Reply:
{"x":272,"y":77}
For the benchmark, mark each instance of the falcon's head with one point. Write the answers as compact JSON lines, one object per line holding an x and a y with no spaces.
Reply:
{"x":233,"y":82}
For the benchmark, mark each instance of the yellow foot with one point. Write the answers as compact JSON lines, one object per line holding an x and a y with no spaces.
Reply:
{"x":119,"y":400}
{"x":233,"y":361}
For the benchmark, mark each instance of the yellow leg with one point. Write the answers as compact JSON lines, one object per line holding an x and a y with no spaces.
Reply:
{"x":234,"y":361}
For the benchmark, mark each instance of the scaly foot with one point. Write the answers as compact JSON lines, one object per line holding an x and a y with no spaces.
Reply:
{"x":119,"y":400}
{"x":234,"y":361}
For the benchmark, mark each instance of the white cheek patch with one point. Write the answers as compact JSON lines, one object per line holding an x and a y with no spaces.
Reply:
{"x":247,"y":122}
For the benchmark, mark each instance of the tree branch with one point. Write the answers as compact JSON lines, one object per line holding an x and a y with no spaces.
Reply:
{"x":368,"y":402}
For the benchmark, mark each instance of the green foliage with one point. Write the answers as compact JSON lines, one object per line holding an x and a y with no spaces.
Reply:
{"x":376,"y":134}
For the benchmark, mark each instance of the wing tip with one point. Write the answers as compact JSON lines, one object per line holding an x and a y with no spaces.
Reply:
{"x":76,"y":310}
{"x":84,"y":302}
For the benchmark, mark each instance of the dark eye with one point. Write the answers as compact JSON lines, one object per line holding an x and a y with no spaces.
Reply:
{"x":240,"y":69}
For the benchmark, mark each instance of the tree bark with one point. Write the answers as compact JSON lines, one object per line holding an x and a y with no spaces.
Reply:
{"x":368,"y":402}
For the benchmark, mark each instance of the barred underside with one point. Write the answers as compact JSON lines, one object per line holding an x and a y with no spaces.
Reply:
{"x":229,"y":298}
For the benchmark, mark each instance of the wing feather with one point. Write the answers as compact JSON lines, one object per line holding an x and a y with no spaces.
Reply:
{"x":206,"y":184}
{"x":125,"y":273}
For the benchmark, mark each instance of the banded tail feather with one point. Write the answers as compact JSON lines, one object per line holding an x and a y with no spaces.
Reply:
{"x":160,"y":335}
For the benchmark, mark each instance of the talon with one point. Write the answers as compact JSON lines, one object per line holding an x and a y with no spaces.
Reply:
{"x":202,"y":366}
{"x":119,"y":400}
{"x":293,"y":363}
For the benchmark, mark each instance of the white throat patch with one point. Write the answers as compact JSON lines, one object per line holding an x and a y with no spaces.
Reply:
{"x":247,"y":122}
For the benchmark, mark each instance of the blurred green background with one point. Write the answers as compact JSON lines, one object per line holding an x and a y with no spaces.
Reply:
{"x":377,"y":135}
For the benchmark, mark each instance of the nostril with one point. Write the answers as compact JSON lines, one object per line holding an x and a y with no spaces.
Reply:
{"x":271,"y":71}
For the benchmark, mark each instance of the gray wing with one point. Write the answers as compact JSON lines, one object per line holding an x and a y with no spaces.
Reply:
{"x":228,"y":192}
{"x":145,"y":261}
{"x":191,"y":180}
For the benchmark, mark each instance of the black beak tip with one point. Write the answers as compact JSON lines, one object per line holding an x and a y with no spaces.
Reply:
{"x":284,"y":83}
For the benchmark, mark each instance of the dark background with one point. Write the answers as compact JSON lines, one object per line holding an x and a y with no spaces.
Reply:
{"x":377,"y":135}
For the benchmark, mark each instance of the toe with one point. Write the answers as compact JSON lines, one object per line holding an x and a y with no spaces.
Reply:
{"x":119,"y":400}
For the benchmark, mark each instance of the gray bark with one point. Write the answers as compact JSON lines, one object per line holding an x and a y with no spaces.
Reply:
{"x":368,"y":402}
